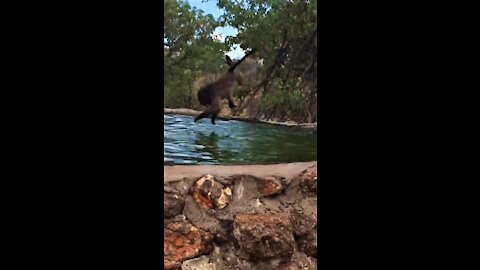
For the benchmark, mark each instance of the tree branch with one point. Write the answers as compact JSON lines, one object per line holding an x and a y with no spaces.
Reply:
{"x":272,"y":72}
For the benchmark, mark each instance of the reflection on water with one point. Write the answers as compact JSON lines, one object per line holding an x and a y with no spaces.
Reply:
{"x":234,"y":142}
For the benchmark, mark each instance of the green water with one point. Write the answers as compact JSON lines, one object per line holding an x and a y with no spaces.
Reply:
{"x":234,"y":142}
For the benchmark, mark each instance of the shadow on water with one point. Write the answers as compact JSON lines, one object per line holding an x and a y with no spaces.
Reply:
{"x":210,"y":142}
{"x":234,"y":142}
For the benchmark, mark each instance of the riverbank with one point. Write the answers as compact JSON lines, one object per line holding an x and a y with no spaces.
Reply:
{"x":240,"y":216}
{"x":190,"y":112}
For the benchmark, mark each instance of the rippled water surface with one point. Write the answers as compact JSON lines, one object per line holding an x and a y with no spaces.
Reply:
{"x":234,"y":142}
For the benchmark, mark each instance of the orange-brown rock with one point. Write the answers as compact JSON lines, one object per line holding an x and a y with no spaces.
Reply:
{"x":183,"y":241}
{"x":264,"y":236}
{"x":271,"y":185}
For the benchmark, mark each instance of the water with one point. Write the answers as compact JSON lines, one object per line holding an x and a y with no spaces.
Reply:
{"x":234,"y":142}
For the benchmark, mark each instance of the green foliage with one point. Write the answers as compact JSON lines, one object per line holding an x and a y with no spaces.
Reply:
{"x":285,"y":34}
{"x":189,"y":51}
{"x":284,"y":104}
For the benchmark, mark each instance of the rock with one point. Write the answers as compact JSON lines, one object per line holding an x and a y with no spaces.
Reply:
{"x":309,"y":206}
{"x":224,"y":199}
{"x":308,"y":243}
{"x":241,"y":221}
{"x":271,"y":185}
{"x":245,"y":188}
{"x":225,"y":257}
{"x":173,"y":202}
{"x":299,"y":261}
{"x":264,"y":236}
{"x":308,"y":179}
{"x":210,"y":193}
{"x":200,"y":217}
{"x":221,"y":237}
{"x":170,"y":189}
{"x":183,"y":241}
{"x":303,"y":223}
{"x":200,"y":263}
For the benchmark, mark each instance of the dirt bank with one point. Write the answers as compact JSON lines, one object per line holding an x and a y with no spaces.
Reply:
{"x":240,"y":217}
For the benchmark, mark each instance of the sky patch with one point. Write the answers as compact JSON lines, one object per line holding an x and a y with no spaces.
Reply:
{"x":220,"y":33}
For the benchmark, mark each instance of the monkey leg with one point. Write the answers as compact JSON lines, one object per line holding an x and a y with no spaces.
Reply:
{"x":215,"y":114}
{"x":213,"y":109}
{"x":204,"y":114}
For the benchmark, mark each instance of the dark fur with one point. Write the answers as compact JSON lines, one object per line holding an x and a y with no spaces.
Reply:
{"x":212,"y":94}
{"x":205,"y":95}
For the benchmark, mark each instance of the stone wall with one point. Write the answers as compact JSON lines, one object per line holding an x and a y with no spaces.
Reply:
{"x":241,"y":222}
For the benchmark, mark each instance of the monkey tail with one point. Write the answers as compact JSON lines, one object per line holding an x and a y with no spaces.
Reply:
{"x":232,"y":68}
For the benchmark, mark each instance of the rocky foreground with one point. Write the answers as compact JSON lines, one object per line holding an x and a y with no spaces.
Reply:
{"x":241,"y":221}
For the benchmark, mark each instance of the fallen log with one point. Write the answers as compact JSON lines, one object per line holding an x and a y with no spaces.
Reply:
{"x":194,"y":113}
